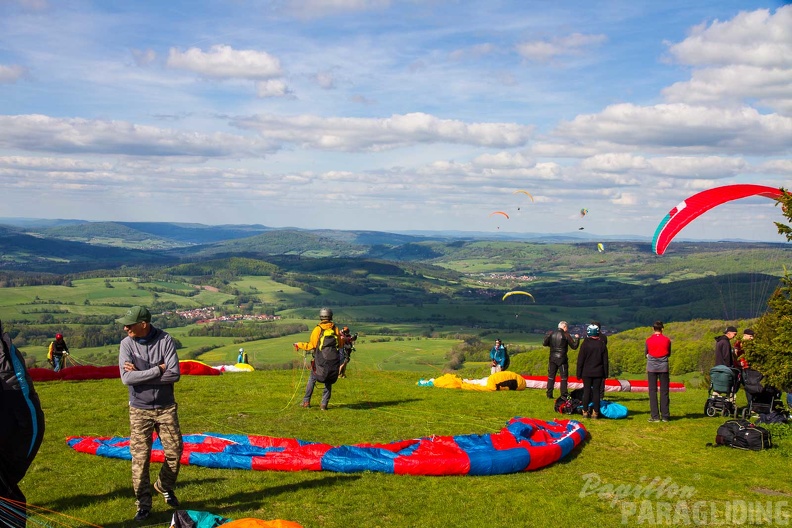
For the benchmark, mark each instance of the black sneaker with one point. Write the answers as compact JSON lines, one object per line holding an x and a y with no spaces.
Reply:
{"x":654,"y":420}
{"x":168,"y":495}
{"x":142,"y":515}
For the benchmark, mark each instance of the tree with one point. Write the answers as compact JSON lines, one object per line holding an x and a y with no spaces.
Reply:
{"x":770,"y":352}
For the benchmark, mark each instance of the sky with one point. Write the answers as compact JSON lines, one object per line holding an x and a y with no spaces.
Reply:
{"x":396,"y":115}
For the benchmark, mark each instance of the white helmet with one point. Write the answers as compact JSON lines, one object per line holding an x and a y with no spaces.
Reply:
{"x":241,"y":349}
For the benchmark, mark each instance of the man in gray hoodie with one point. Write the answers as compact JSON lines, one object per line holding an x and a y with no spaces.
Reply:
{"x":149,"y":367}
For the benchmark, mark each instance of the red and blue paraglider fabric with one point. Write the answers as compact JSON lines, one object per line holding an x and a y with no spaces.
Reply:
{"x":525,"y":444}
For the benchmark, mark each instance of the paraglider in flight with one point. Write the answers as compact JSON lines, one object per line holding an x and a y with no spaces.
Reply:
{"x":517,"y":293}
{"x":600,"y":247}
{"x":692,"y":207}
{"x":525,"y":193}
{"x":499,"y":213}
{"x":583,"y":212}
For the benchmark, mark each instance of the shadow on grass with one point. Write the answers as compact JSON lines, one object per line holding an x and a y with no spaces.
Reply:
{"x":258,"y":498}
{"x":375,"y":404}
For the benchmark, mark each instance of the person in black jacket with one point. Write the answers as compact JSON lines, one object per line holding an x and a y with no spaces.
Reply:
{"x":724,"y":353}
{"x":592,"y":368}
{"x":21,"y":427}
{"x":559,"y":341}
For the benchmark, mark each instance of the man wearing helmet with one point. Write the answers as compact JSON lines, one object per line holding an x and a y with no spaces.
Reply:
{"x":324,"y":344}
{"x":56,"y":351}
{"x":592,"y":368}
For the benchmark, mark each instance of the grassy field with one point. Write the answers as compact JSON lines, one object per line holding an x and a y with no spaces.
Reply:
{"x":375,"y":405}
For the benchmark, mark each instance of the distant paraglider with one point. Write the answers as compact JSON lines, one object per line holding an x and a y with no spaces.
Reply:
{"x":499,"y":213}
{"x":509,"y":294}
{"x":583,"y":212}
{"x":691,"y":208}
{"x":600,"y":247}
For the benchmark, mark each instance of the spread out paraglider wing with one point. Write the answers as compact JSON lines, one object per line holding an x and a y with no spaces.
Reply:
{"x":600,"y":247}
{"x":525,"y":193}
{"x":499,"y":213}
{"x":692,"y":207}
{"x":518,"y":293}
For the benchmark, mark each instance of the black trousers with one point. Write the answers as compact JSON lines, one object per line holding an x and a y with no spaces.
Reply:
{"x":561,"y":366}
{"x":653,"y":378}
{"x":591,"y":393}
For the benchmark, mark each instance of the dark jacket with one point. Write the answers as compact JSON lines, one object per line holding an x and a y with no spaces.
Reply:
{"x":59,"y":347}
{"x":724,"y":354}
{"x":560,"y":342}
{"x":592,"y":359}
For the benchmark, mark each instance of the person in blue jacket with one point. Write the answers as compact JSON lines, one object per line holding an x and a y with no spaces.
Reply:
{"x":21,"y":428}
{"x":499,"y":357}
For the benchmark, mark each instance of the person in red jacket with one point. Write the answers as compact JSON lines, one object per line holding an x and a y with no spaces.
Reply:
{"x":658,"y":350}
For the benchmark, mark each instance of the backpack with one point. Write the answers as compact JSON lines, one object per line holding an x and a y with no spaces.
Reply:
{"x":49,"y":353}
{"x":506,"y":359}
{"x":327,"y":360}
{"x":568,"y":405}
{"x":742,"y":434}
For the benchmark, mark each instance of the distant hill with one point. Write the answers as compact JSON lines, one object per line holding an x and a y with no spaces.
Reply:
{"x":24,"y":252}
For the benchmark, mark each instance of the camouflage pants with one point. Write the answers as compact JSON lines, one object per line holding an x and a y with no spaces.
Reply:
{"x":144,"y":422}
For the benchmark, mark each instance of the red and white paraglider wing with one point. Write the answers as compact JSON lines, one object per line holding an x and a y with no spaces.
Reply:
{"x":694,"y":206}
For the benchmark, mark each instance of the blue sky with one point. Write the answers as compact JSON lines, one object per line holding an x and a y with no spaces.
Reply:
{"x":395,"y":115}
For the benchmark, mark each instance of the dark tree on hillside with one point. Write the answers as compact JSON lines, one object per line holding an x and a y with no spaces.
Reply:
{"x":771,"y":350}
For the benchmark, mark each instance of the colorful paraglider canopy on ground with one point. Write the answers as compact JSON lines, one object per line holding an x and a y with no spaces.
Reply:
{"x":611,"y":385}
{"x":76,"y":373}
{"x":504,"y":380}
{"x":197,"y":368}
{"x":204,"y":519}
{"x":691,"y":208}
{"x":525,"y":444}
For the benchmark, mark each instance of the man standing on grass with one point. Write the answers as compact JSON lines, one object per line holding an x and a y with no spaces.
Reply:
{"x":658,"y":350}
{"x":559,"y":342}
{"x":149,"y":367}
{"x":324,"y":344}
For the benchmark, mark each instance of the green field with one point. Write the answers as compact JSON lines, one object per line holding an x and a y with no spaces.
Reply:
{"x":381,"y":406}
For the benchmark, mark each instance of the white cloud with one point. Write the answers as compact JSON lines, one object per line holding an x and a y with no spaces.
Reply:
{"x":271,"y":88}
{"x":545,"y":50}
{"x":476,"y":51}
{"x":748,"y":58}
{"x":683,"y":127}
{"x":755,"y":38}
{"x":224,"y":62}
{"x":39,"y":133}
{"x":361,"y":134}
{"x":144,"y":57}
{"x":12,"y":73}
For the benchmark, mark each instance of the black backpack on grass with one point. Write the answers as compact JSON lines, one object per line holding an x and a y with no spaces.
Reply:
{"x":742,"y":434}
{"x":568,"y":405}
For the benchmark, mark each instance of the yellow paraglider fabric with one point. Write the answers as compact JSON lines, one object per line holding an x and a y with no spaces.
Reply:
{"x":488,"y":384}
{"x":244,"y":366}
{"x":505,"y":375}
{"x":517,"y":293}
